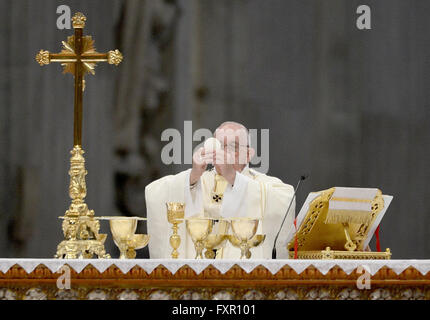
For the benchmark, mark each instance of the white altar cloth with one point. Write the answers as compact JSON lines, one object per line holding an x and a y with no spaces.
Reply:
{"x":324,"y":266}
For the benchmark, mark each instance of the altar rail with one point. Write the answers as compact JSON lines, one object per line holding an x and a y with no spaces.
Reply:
{"x":213,"y":279}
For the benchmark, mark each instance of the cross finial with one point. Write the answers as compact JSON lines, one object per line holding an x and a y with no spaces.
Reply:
{"x":78,"y":20}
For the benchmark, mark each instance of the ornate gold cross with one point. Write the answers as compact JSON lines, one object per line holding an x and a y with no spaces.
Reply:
{"x":78,"y":57}
{"x":80,"y":227}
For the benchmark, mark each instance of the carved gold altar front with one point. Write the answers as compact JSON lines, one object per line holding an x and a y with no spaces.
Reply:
{"x":236,"y":283}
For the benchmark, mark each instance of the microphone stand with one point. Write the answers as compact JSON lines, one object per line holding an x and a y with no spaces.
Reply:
{"x":303,"y":177}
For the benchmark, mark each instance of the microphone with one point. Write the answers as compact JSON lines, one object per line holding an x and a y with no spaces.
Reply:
{"x":302,"y":178}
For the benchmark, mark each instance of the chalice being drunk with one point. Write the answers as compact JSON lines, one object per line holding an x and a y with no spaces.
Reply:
{"x":244,"y":235}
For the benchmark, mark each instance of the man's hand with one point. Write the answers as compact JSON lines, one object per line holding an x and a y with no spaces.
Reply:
{"x":224,"y":165}
{"x":200,"y":162}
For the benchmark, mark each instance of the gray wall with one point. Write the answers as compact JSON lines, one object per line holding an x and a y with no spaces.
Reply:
{"x":36,"y":123}
{"x":349,"y":106}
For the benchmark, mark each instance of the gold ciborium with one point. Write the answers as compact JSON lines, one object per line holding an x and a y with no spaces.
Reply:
{"x":199,"y":230}
{"x":217,"y":236}
{"x":244,"y":235}
{"x":123,"y":232}
{"x":175,"y":215}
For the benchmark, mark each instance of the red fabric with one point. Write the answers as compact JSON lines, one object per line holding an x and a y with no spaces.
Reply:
{"x":378,"y":244}
{"x":295,"y":240}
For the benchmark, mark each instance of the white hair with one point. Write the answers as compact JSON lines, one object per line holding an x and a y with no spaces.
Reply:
{"x":237,"y":124}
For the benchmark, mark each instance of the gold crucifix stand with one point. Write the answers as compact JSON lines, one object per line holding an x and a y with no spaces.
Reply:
{"x":80,"y":228}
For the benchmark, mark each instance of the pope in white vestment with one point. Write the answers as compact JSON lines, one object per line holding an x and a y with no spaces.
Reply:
{"x":231,"y":189}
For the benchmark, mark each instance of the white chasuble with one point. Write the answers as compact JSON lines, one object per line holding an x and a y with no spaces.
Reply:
{"x":253,"y":195}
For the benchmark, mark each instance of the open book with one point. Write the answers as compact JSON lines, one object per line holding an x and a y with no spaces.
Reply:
{"x":341,"y":218}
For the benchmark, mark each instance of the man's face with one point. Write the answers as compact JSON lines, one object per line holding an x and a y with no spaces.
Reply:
{"x":234,"y":141}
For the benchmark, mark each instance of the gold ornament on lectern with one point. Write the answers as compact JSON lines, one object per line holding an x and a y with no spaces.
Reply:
{"x":80,"y":228}
{"x":175,"y":215}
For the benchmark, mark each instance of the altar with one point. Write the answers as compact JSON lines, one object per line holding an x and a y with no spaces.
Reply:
{"x":152,"y":279}
{"x":328,"y":239}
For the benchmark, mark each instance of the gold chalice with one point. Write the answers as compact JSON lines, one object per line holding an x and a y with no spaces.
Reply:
{"x":175,"y":215}
{"x":138,"y":241}
{"x":244,"y":235}
{"x":217,"y":236}
{"x":199,"y":229}
{"x":254,"y":242}
{"x":123,"y":232}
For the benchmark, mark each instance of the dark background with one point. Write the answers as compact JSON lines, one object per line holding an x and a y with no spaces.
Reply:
{"x":350,"y":106}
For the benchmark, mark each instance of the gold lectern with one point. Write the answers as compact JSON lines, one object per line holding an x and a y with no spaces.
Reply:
{"x":327,"y":232}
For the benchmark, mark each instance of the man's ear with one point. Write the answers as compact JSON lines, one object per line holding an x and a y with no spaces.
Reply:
{"x":251,"y":153}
